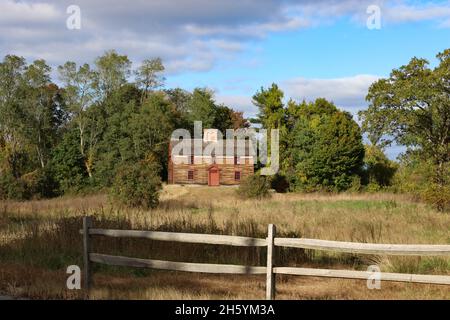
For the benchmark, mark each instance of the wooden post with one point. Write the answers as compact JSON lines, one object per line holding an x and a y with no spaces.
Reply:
{"x":270,"y":281}
{"x":87,"y":224}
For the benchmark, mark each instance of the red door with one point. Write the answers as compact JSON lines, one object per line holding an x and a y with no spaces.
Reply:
{"x":213,"y":176}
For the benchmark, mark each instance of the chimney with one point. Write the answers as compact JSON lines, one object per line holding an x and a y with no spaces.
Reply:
{"x":210,"y":135}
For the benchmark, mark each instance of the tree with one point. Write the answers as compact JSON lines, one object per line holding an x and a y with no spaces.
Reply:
{"x":149,"y":77}
{"x":180,"y":98}
{"x":31,"y":114}
{"x":202,"y":107}
{"x":272,"y":115}
{"x":67,"y":163}
{"x":44,"y":111}
{"x":112,"y":71}
{"x":238,"y":121}
{"x":150,"y":129}
{"x":412,"y":107}
{"x":223,"y":118}
{"x":115,"y":144}
{"x":12,"y":93}
{"x":79,"y":94}
{"x":327,"y":150}
{"x":378,"y":169}
{"x":271,"y":108}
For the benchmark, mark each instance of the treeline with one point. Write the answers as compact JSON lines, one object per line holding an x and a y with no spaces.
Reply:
{"x":322,"y":147}
{"x":107,"y":125}
{"x":79,"y":135}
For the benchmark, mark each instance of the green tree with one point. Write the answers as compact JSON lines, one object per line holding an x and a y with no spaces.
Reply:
{"x":412,"y":107}
{"x":274,"y":115}
{"x":151,"y":127}
{"x":378,"y":169}
{"x":271,"y":108}
{"x":201,"y":107}
{"x":79,"y":94}
{"x":180,"y":98}
{"x":44,"y":111}
{"x":112,"y":71}
{"x":327,"y":149}
{"x":149,"y":76}
{"x":223,"y":118}
{"x":12,"y":93}
{"x":67,"y":163}
{"x":115,"y":144}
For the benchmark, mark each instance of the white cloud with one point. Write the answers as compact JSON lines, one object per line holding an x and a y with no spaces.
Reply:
{"x":12,"y":12}
{"x":409,"y":13}
{"x":258,"y":30}
{"x":348,"y":92}
{"x":188,"y":35}
{"x":140,"y":29}
{"x":239,"y":103}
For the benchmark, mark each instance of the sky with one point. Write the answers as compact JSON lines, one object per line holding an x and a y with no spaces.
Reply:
{"x":311,"y":48}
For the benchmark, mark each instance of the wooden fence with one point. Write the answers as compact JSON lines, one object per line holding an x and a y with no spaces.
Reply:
{"x":270,"y":242}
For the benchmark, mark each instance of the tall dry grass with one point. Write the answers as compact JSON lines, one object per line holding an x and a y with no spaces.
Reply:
{"x":39,"y":239}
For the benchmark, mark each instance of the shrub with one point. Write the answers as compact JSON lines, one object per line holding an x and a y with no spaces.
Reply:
{"x":137,"y":185}
{"x":416,"y":176}
{"x":373,"y":187}
{"x":280,"y":183}
{"x":40,"y":184}
{"x":355,"y":185}
{"x":438,"y":196}
{"x":254,"y":186}
{"x":378,"y":169}
{"x":12,"y":188}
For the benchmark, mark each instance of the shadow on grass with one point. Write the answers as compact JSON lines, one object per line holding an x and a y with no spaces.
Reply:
{"x":44,"y":247}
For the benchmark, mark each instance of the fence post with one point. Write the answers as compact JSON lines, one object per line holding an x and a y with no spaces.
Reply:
{"x":270,"y":281}
{"x":87,"y":224}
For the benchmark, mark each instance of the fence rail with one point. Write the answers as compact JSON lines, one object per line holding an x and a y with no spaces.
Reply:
{"x":270,"y":242}
{"x":175,"y":266}
{"x":182,"y":237}
{"x":366,"y":248}
{"x":363,"y":275}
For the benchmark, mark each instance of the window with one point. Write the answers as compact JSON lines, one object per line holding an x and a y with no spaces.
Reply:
{"x":191,"y":175}
{"x":237,"y":175}
{"x":192,"y":160}
{"x":236,"y":160}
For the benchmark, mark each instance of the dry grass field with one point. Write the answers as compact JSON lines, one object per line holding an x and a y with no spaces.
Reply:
{"x":39,"y":239}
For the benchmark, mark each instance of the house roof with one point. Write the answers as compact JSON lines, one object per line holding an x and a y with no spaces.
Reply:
{"x":219,"y":148}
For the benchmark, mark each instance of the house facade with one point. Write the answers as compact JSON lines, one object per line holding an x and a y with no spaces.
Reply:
{"x":209,"y":161}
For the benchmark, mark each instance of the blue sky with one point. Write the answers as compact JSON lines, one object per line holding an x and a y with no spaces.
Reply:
{"x":311,"y":48}
{"x":336,"y":51}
